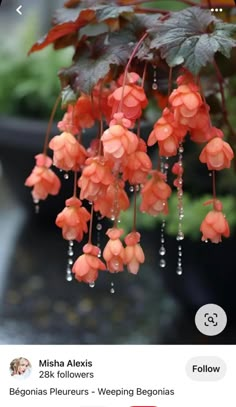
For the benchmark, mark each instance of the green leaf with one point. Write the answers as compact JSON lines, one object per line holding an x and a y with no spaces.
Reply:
{"x":68,"y":97}
{"x":191,"y":38}
{"x":93,"y":63}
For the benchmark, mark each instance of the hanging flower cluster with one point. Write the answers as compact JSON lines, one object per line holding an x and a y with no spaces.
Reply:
{"x":110,"y":92}
{"x":119,"y":157}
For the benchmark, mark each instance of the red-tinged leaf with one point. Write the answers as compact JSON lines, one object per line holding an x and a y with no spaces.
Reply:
{"x":63,"y":30}
{"x":94,"y":62}
{"x":55,"y":33}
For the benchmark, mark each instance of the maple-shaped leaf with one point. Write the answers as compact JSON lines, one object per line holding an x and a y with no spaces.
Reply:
{"x":191,"y":37}
{"x":93,"y":62}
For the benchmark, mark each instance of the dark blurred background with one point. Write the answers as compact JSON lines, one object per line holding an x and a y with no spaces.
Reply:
{"x":38,"y":305}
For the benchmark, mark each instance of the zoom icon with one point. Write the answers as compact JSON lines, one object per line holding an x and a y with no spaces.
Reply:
{"x":210,"y":319}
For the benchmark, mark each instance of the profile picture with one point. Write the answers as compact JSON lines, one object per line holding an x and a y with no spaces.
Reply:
{"x":20,"y":368}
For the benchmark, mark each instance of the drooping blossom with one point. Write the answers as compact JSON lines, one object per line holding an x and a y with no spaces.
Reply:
{"x":217,"y":154}
{"x":114,"y":252}
{"x":168,"y":133}
{"x":130,"y":99}
{"x":134,"y":255}
{"x":68,"y":153}
{"x":137,"y":165}
{"x":73,"y":220}
{"x":84,"y":113}
{"x":185,"y":102}
{"x":118,"y":142}
{"x":95,"y":178}
{"x":114,"y":201}
{"x":87,"y":265}
{"x":215,"y":225}
{"x":67,"y":123}
{"x":43,"y":180}
{"x":154,"y":194}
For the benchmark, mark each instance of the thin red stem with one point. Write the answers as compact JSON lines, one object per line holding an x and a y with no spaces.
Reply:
{"x":75,"y":184}
{"x":135,"y":209}
{"x":224,"y":107}
{"x":214,"y":184}
{"x":128,"y":65}
{"x":91,"y":226}
{"x":50,"y":125}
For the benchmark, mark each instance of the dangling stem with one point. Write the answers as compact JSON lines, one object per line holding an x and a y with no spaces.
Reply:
{"x":170,"y":81}
{"x":91,"y":226}
{"x":127,"y":68}
{"x":135,"y":209}
{"x":224,"y":107}
{"x":50,"y":124}
{"x":75,"y":184}
{"x":214,"y":184}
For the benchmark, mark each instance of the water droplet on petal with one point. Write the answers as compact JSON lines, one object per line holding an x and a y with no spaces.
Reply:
{"x":92,"y":285}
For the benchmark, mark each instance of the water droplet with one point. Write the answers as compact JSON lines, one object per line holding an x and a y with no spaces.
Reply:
{"x":66,"y":176}
{"x":112,"y":291}
{"x":162,"y":251}
{"x":70,"y":261}
{"x":71,"y":243}
{"x":36,"y":201}
{"x":112,"y":217}
{"x":36,"y":208}
{"x":137,"y":188}
{"x":69,"y":277}
{"x":68,"y":269}
{"x":92,"y":285}
{"x":180,"y":236}
{"x":112,"y":284}
{"x":154,"y":86}
{"x":210,"y":174}
{"x":166,"y":166}
{"x":100,"y":254}
{"x":179,"y":271}
{"x":206,"y":241}
{"x":70,"y":252}
{"x":181,"y":149}
{"x":162,"y":240}
{"x":131,"y":188}
{"x":99,"y":226}
{"x":162,"y":263}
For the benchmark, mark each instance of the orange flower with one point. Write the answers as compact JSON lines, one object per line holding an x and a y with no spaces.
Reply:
{"x":155,"y":194}
{"x":69,"y":154}
{"x":67,"y":124}
{"x":114,"y":201}
{"x":134,"y":255}
{"x":87,"y":265}
{"x":73,"y":220}
{"x":43,"y":179}
{"x":217,"y":154}
{"x":137,"y":165}
{"x":214,"y":226}
{"x":185,"y":101}
{"x":118,"y":142}
{"x":167,"y":133}
{"x":95,"y":178}
{"x":84,"y":112}
{"x":114,"y":252}
{"x":130,"y":99}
